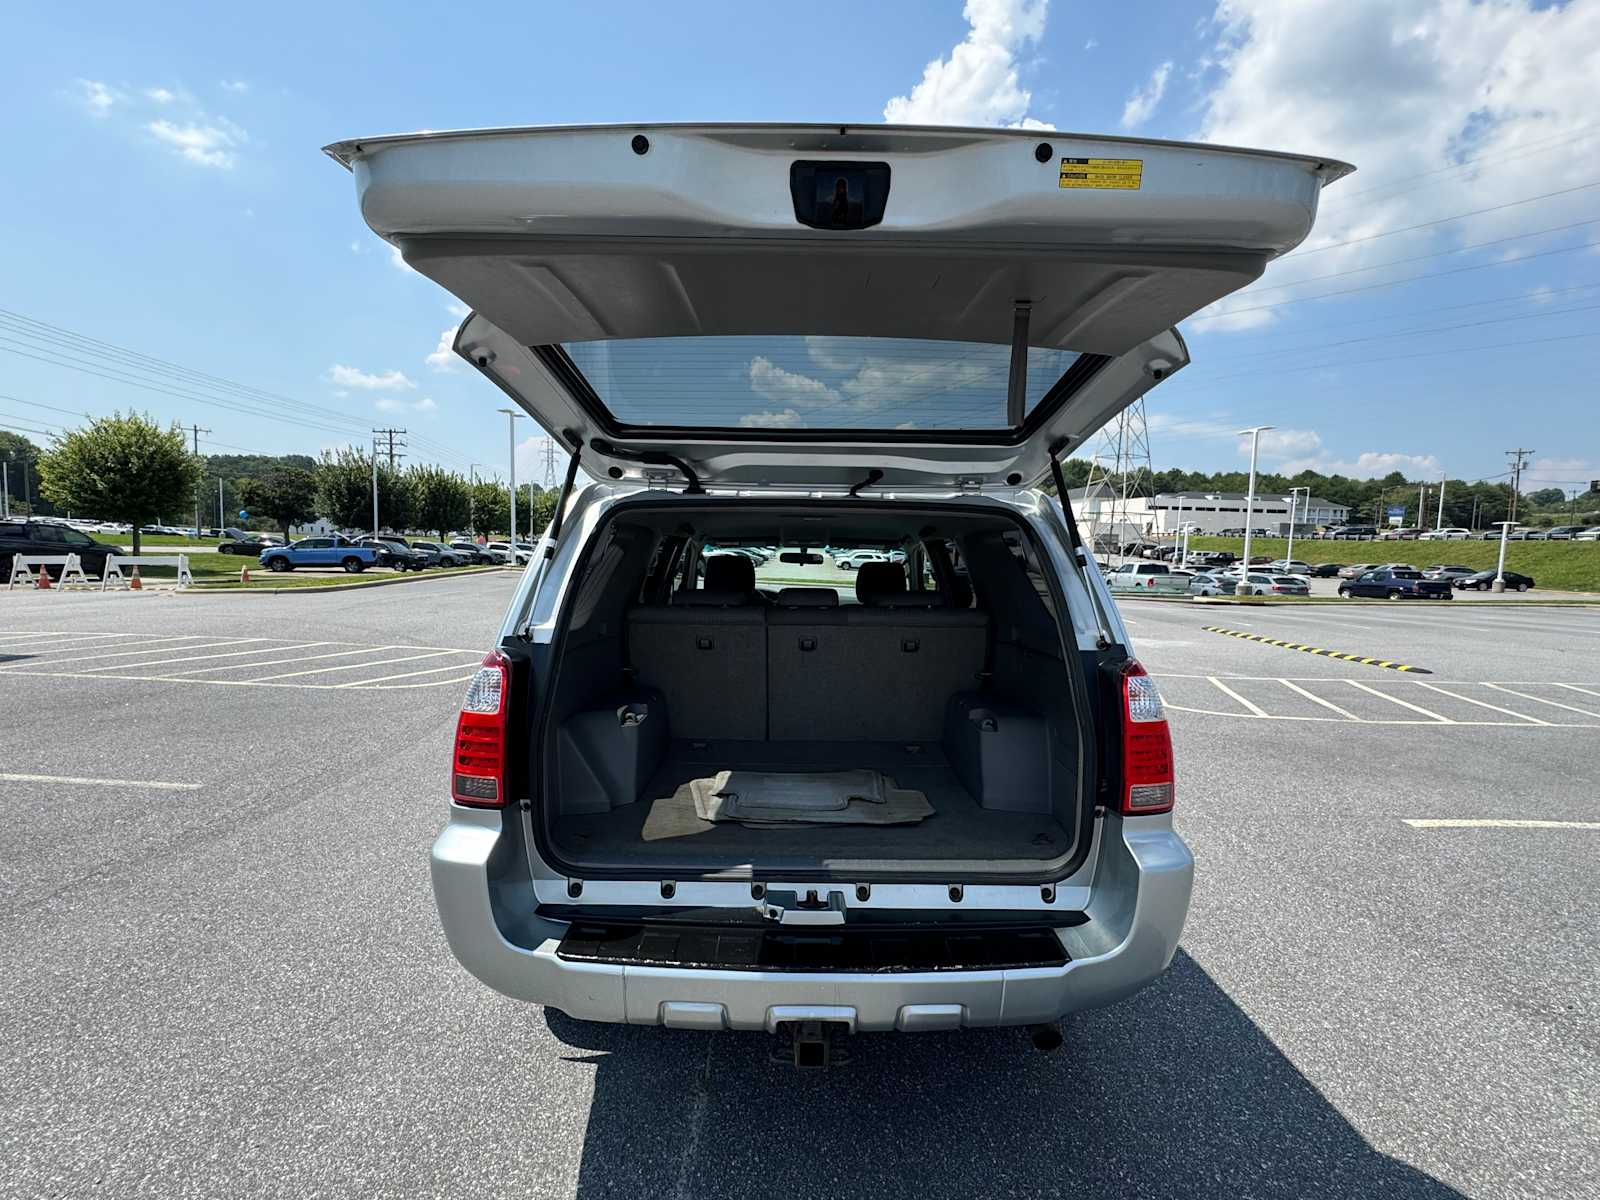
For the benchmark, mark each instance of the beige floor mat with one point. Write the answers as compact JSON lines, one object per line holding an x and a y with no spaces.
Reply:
{"x":860,"y":797}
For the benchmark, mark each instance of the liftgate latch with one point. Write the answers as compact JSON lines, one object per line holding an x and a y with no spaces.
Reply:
{"x":788,"y":908}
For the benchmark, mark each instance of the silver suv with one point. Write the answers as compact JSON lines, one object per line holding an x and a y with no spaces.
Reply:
{"x":923,"y":795}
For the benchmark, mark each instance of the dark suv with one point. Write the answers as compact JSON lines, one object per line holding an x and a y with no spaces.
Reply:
{"x":48,"y":538}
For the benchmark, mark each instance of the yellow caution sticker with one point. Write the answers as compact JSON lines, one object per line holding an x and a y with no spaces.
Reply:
{"x":1123,"y":174}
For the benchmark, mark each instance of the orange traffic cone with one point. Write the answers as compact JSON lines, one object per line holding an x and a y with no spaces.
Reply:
{"x":134,"y":582}
{"x":244,"y":574}
{"x":44,"y":580}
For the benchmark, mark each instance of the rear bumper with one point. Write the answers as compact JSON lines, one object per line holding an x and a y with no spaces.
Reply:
{"x":1136,"y":915}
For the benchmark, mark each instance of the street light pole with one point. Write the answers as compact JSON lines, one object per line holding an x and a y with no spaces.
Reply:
{"x":511,"y":425}
{"x":1500,"y":567}
{"x":1250,"y":495}
{"x":1180,"y":526}
{"x":1294,"y":495}
{"x":1438,"y":521}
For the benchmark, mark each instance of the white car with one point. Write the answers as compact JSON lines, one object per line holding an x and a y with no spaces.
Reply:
{"x":1450,"y":533}
{"x":1289,"y":566}
{"x":504,"y":552}
{"x":850,"y":560}
{"x":598,"y":855}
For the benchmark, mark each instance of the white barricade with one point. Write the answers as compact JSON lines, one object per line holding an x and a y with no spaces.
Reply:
{"x":71,"y":570}
{"x":114,"y":577}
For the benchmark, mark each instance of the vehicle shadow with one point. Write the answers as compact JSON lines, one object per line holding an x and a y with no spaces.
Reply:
{"x":1174,"y":1093}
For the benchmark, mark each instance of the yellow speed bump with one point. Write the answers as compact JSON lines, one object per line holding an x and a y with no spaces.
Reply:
{"x":1387,"y":664}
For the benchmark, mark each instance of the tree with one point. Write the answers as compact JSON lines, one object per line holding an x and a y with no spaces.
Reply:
{"x":491,"y":507}
{"x":443,"y":499}
{"x":1546,"y":497}
{"x":288,"y":496}
{"x":22,"y":471}
{"x":544,"y":511}
{"x":344,"y":492}
{"x":120,"y":468}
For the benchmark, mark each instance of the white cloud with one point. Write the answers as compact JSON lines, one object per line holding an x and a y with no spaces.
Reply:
{"x":1369,"y":464}
{"x":393,"y":404}
{"x":101,"y":98}
{"x":355,"y":247}
{"x":1452,"y":108}
{"x":1284,"y":443}
{"x":785,"y":419}
{"x":772,"y":382}
{"x":236,"y":86}
{"x":444,"y":356}
{"x":458,"y":310}
{"x":1091,"y":43}
{"x":161,"y":95}
{"x":209,"y":145}
{"x":385,"y":381}
{"x":978,"y":83}
{"x":1141,"y":106}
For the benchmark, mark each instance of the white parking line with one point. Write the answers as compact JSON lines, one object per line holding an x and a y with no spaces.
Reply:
{"x":1576,"y":688}
{"x":1496,"y":823}
{"x":78,"y":644}
{"x":278,"y":662}
{"x":1356,"y":683}
{"x":76,"y":780}
{"x":167,"y":662}
{"x":1541,"y":700}
{"x":352,"y":666}
{"x":407,"y":675}
{"x":400,"y":687}
{"x":1228,"y":691}
{"x":145,"y":649}
{"x":1295,"y":687}
{"x":1482,"y":703}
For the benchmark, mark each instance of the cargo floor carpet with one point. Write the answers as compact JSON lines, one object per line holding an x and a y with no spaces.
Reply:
{"x":664,"y":826}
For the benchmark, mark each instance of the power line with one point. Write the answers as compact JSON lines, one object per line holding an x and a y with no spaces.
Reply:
{"x":1528,"y":149}
{"x":390,"y":435}
{"x":1516,"y":478}
{"x":1477,"y":212}
{"x":1369,"y":287}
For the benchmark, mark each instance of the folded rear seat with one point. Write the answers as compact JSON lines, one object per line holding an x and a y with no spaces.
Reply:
{"x":882,"y":670}
{"x":706,"y":653}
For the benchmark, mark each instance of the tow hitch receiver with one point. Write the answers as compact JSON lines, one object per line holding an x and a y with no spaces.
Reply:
{"x":814,"y":1045}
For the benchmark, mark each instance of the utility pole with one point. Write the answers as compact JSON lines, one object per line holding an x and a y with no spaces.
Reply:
{"x":222,"y":519}
{"x":390,"y":434}
{"x":1422,"y":506}
{"x":512,"y":416}
{"x":1438,"y":522}
{"x":197,"y":432}
{"x":1516,"y":478}
{"x":375,"y":484}
{"x":1294,"y":496}
{"x":5,"y":489}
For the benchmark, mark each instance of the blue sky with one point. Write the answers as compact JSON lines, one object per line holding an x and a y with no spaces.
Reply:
{"x":168,"y":196}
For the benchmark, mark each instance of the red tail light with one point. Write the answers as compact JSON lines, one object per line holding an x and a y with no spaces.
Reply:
{"x":1147,"y":776}
{"x":478,"y":769}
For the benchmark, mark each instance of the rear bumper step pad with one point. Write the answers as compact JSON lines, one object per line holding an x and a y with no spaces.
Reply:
{"x":852,"y":950}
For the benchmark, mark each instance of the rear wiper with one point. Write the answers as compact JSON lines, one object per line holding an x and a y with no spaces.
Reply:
{"x":872,"y":477}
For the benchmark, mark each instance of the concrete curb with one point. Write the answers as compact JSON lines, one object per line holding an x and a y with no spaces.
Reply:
{"x":321,"y":589}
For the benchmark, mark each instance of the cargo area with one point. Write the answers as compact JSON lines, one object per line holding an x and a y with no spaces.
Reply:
{"x":715,"y":710}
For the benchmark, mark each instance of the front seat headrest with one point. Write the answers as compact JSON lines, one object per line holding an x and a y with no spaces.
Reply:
{"x":729,"y":573}
{"x":877,"y":579}
{"x":808,"y":597}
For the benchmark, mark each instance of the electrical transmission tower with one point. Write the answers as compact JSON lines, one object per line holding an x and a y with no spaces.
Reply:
{"x":549,"y":464}
{"x":1121,"y":469}
{"x":393,"y":447}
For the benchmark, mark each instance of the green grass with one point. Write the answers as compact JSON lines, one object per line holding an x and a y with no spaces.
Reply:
{"x":264,"y":580}
{"x":1559,"y":566}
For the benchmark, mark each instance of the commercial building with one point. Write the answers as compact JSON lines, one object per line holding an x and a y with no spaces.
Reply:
{"x":1164,"y":515}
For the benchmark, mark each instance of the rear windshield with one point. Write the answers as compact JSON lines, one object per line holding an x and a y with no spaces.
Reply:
{"x":793,"y":382}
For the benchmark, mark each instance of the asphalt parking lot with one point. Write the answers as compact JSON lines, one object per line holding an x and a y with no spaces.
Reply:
{"x":234,"y":983}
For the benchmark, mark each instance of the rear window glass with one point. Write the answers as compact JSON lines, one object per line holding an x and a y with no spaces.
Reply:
{"x":790,"y":382}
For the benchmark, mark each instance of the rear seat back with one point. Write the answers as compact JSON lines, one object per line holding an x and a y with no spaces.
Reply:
{"x":708,"y":660}
{"x":870,"y":673}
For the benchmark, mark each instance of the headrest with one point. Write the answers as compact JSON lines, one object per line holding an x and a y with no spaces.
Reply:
{"x":808,"y":597}
{"x":909,"y":600}
{"x":704,"y":598}
{"x":729,"y":573}
{"x":875,"y":580}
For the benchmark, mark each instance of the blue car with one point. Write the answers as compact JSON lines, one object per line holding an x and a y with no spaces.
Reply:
{"x":332,"y":551}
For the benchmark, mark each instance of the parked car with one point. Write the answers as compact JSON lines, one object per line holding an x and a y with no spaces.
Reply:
{"x":1563,"y":533}
{"x":1355,"y":569}
{"x":332,"y":551}
{"x":1446,"y":572}
{"x":1209,"y":583}
{"x":1404,"y":533}
{"x":850,"y":560}
{"x":1263,"y":583}
{"x":1290,"y":566}
{"x":394,"y":553}
{"x":475,"y":554}
{"x":1450,"y":533}
{"x":1326,"y":570}
{"x":523,"y":552}
{"x":1148,"y":578}
{"x":547,"y":887}
{"x":246,"y":544}
{"x":1483,"y":581}
{"x":1591,"y":534}
{"x":1394,"y":583}
{"x":48,"y":539}
{"x":442,"y":555}
{"x":1354,"y":533}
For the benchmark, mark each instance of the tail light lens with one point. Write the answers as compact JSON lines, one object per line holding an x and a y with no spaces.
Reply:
{"x":1147,"y":769}
{"x":478,"y":769}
